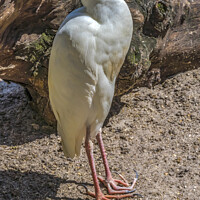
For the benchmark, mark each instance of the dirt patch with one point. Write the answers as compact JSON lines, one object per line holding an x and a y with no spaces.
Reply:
{"x":155,"y":131}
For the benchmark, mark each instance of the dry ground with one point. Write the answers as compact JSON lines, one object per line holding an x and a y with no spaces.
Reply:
{"x":155,"y":131}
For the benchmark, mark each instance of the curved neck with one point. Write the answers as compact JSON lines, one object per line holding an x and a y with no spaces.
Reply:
{"x":104,"y":10}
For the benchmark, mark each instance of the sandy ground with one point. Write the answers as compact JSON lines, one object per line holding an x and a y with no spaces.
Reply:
{"x":154,"y":131}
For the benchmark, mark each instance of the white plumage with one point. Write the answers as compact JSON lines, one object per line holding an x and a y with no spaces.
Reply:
{"x":87,"y":54}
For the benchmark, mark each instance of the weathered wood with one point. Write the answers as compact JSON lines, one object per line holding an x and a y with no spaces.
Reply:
{"x":27,"y":29}
{"x":179,"y":50}
{"x":165,"y":41}
{"x":161,"y":41}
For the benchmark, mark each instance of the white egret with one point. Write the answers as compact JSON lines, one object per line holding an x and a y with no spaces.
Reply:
{"x":87,"y":54}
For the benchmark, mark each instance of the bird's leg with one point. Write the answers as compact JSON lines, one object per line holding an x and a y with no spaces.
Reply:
{"x":109,"y":182}
{"x":98,"y":193}
{"x":89,"y":150}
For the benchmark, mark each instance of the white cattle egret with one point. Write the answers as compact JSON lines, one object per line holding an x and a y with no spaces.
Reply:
{"x":87,"y":54}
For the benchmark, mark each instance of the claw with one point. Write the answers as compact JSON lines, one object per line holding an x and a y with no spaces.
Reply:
{"x":125,"y":181}
{"x":131,"y":191}
{"x":121,"y":178}
{"x":136,"y":174}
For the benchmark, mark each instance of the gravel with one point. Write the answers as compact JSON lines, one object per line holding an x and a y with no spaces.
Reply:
{"x":154,"y":131}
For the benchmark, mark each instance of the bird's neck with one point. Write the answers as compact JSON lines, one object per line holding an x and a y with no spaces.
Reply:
{"x":104,"y":11}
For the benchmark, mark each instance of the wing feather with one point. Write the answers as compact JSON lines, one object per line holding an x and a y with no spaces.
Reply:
{"x":72,"y":82}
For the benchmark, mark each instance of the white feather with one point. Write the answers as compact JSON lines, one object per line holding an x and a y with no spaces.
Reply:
{"x":87,"y":54}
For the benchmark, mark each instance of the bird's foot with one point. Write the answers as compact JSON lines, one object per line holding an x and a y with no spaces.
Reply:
{"x":113,"y":185}
{"x":101,"y":196}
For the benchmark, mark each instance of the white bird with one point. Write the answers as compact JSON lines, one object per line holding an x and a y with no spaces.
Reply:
{"x":87,"y":54}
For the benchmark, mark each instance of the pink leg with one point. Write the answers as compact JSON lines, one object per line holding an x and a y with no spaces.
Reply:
{"x":89,"y":150}
{"x":98,"y":193}
{"x":111,"y":183}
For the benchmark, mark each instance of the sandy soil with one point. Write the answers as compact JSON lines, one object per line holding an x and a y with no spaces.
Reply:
{"x":154,"y":131}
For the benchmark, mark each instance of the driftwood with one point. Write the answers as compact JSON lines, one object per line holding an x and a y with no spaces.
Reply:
{"x":165,"y":42}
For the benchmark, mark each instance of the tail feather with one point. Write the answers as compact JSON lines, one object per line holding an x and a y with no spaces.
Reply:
{"x":70,"y":143}
{"x":68,"y":152}
{"x":79,"y":141}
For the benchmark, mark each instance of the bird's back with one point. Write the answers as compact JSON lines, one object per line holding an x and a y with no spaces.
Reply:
{"x":86,"y":57}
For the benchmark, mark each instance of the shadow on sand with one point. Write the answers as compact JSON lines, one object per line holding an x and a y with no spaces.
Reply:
{"x":33,"y":185}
